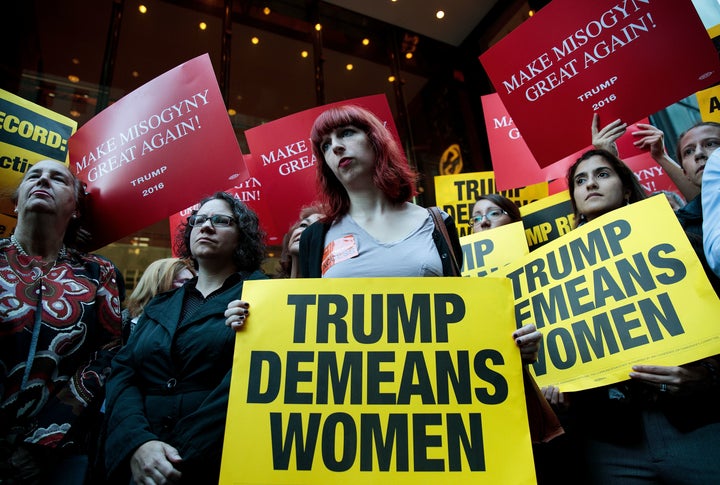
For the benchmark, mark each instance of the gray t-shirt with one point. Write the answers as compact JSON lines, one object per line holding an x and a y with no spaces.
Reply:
{"x":350,"y":252}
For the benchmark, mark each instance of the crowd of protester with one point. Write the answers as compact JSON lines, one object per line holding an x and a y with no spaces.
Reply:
{"x":155,"y":377}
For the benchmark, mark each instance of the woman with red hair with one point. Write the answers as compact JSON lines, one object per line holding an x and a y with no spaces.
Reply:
{"x":370,"y":228}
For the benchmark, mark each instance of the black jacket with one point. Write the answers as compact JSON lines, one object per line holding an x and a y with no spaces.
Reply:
{"x":171,"y":383}
{"x":312,"y":244}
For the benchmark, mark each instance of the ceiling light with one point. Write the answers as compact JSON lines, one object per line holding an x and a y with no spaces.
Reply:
{"x":366,"y":41}
{"x":74,"y":113}
{"x":232,"y":112}
{"x":304,"y":54}
{"x":391,"y":79}
{"x":135,"y":74}
{"x":142,"y":9}
{"x":203,"y":26}
{"x":73,"y":78}
{"x":349,"y":67}
{"x":266,"y":10}
{"x":75,"y":61}
{"x":318,"y":27}
{"x":408,"y":55}
{"x":440,"y":14}
{"x":531,"y":13}
{"x":255,"y":40}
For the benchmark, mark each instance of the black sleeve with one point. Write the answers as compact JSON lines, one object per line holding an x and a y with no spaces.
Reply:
{"x":311,"y":249}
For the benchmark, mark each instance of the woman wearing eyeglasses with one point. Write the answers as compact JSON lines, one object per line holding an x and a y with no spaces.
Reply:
{"x":493,"y":210}
{"x":167,"y":395}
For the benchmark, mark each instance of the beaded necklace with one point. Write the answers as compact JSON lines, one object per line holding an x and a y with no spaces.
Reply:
{"x":39,"y":307}
{"x":42,"y":267}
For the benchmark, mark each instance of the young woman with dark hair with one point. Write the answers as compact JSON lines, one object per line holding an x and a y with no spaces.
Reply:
{"x":493,"y":210}
{"x":600,"y":182}
{"x":661,"y":425}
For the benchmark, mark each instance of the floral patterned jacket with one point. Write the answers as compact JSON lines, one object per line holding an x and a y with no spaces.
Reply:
{"x":59,"y":330}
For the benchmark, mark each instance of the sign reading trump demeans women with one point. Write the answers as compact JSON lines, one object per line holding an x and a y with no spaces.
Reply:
{"x":626,"y":288}
{"x":383,"y":381}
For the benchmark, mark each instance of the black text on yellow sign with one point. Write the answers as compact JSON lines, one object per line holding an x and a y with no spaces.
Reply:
{"x":33,"y":132}
{"x":362,"y":378}
{"x":548,"y":224}
{"x":564,"y":298}
{"x":471,"y":190}
{"x":474,"y":257}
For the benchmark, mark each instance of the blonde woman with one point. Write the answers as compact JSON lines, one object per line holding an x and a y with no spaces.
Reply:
{"x":160,"y":276}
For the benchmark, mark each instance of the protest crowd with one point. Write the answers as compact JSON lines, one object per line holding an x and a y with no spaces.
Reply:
{"x":607,"y":370}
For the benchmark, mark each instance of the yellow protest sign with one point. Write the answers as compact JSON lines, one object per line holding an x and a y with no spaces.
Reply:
{"x":456,"y":195}
{"x":547,"y":219}
{"x":709,"y":104}
{"x":613,"y":293}
{"x":379,"y":381}
{"x":486,"y":251}
{"x":28,"y":133}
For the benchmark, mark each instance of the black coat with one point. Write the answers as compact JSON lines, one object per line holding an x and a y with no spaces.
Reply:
{"x":171,"y":383}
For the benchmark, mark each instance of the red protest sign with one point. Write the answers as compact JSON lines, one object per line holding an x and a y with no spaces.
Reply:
{"x":513,"y":163}
{"x":160,"y":148}
{"x":283,"y":160}
{"x":575,"y":58}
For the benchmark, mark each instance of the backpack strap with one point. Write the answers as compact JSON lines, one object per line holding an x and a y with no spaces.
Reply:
{"x":440,"y":226}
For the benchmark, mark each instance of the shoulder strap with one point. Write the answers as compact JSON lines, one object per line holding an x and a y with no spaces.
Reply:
{"x":440,"y":225}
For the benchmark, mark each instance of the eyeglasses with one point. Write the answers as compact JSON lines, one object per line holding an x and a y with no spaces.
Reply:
{"x":218,"y":220}
{"x":491,"y":216}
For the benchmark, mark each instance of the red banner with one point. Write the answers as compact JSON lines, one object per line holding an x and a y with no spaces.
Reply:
{"x":157,"y":150}
{"x":620,"y":58}
{"x":514,"y":164}
{"x":283,"y":161}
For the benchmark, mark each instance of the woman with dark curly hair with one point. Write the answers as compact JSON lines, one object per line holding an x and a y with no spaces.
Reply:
{"x":167,"y":395}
